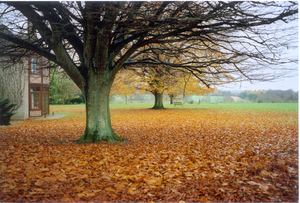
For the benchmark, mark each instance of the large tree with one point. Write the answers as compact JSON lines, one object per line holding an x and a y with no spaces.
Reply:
{"x":92,"y":41}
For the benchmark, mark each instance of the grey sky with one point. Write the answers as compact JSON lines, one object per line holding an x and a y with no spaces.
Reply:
{"x":283,"y":84}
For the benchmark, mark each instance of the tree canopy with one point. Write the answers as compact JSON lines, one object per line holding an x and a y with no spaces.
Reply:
{"x":92,"y":41}
{"x":72,"y":28}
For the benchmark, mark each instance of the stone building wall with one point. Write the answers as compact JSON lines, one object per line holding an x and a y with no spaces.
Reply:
{"x":14,"y":86}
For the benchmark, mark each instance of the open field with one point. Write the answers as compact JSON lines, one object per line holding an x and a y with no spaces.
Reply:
{"x":210,"y":152}
{"x":230,"y":106}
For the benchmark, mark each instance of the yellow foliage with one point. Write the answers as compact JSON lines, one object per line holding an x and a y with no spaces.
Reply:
{"x":124,"y":84}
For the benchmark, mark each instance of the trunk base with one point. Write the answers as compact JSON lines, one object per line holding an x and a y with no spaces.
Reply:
{"x":158,"y":107}
{"x":158,"y":104}
{"x":97,"y":136}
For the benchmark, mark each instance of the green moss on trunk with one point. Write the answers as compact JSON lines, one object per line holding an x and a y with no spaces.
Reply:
{"x":98,"y":123}
{"x":100,"y":136}
{"x":158,"y":101}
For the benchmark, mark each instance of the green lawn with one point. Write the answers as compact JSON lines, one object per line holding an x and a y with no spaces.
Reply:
{"x":248,"y":106}
{"x":78,"y":109}
{"x":237,"y":106}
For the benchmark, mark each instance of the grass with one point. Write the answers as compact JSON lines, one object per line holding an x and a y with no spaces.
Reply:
{"x":250,"y":106}
{"x":236,"y":106}
{"x":79,"y":109}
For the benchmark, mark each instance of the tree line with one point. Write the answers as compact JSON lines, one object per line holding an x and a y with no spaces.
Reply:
{"x":270,"y":96}
{"x":130,"y":85}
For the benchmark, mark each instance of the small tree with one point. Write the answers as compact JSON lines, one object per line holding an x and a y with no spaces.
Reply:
{"x":6,"y":111}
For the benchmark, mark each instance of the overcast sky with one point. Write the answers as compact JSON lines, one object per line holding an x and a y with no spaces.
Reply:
{"x":280,"y":84}
{"x":283,"y":84}
{"x":290,"y":82}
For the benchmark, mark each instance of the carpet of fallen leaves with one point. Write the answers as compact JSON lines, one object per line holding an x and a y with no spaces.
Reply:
{"x":187,"y":155}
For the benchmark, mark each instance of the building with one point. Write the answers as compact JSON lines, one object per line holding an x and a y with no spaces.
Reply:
{"x":38,"y":85}
{"x":25,"y":82}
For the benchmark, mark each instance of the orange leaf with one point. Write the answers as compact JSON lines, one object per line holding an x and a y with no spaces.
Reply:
{"x":110,"y":190}
{"x":153,"y":181}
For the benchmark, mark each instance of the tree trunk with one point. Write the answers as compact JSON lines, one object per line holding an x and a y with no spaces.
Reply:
{"x":158,"y":101}
{"x":171,"y":99}
{"x":98,"y":123}
{"x":183,"y":93}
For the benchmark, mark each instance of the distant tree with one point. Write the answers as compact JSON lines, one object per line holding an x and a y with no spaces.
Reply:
{"x":153,"y":80}
{"x":295,"y":97}
{"x":243,"y":95}
{"x":161,"y":77}
{"x":259,"y":101}
{"x":159,"y":81}
{"x":125,"y":84}
{"x":252,"y":97}
{"x":62,"y":89}
{"x":92,"y":41}
{"x":184,"y":84}
{"x":274,"y":96}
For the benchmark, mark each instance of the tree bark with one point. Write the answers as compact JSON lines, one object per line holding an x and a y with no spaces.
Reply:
{"x":183,"y":93}
{"x":158,"y":100}
{"x":98,"y":123}
{"x":171,"y":99}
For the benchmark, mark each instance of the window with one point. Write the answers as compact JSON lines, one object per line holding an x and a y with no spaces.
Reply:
{"x":35,"y":62}
{"x":35,"y":101}
{"x":35,"y":97}
{"x":35,"y":89}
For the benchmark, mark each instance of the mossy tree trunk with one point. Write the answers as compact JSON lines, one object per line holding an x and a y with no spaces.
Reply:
{"x":98,"y":122}
{"x":158,"y":100}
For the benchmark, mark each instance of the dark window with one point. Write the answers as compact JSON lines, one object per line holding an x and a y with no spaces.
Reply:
{"x":35,"y":89}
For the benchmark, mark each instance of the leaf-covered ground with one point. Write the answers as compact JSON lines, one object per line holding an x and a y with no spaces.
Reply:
{"x":187,"y":155}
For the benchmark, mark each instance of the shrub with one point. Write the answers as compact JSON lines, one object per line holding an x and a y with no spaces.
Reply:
{"x":77,"y":99}
{"x":6,"y":111}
